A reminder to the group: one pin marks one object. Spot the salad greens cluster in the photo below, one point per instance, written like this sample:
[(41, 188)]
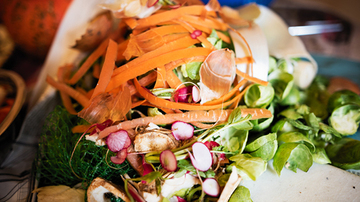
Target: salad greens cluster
[(309, 125)]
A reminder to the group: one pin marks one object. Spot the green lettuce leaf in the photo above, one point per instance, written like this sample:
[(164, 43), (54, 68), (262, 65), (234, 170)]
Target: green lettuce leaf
[(241, 194), (247, 166), (292, 156)]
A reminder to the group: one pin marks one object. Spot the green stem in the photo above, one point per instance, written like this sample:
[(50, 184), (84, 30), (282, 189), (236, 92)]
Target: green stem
[(159, 91), (156, 159)]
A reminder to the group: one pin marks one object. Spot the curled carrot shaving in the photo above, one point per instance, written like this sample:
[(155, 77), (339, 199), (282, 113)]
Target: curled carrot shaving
[(207, 22), (156, 46), (65, 98), (176, 105), (79, 97), (191, 29), (161, 78), (251, 78), (107, 69), (175, 45), (88, 62), (242, 60), (152, 63), (171, 15)]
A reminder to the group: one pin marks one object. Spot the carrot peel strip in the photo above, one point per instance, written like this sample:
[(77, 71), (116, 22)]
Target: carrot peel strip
[(107, 68), (202, 116), (88, 62), (251, 78), (79, 97)]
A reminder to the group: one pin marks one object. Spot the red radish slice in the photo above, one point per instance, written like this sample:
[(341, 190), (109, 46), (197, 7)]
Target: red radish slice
[(182, 94), (211, 144), (151, 3), (147, 167), (120, 157), (168, 160), (135, 194), (182, 131), (101, 126), (211, 187), (221, 156), (179, 199), (201, 158), (195, 94), (118, 140)]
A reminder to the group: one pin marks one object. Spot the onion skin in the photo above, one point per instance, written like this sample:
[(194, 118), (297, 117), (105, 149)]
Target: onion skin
[(217, 73)]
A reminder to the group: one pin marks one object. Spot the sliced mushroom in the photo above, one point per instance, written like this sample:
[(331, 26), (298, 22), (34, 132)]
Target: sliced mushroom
[(154, 141), (99, 187)]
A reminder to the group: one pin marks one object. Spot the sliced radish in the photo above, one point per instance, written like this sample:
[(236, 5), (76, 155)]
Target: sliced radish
[(147, 167), (182, 131), (211, 187), (120, 157), (211, 144), (168, 160), (118, 140), (195, 94), (182, 94), (201, 158), (135, 194), (151, 3), (101, 126), (179, 199), (221, 156)]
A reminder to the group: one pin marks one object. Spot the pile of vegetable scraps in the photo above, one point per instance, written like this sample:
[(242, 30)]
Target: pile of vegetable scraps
[(158, 111)]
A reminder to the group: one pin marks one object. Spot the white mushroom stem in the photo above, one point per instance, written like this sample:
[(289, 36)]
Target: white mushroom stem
[(231, 185)]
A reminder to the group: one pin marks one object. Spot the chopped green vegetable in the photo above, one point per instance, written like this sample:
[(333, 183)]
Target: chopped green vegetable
[(241, 194), (258, 96), (345, 153), (292, 156), (247, 166)]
